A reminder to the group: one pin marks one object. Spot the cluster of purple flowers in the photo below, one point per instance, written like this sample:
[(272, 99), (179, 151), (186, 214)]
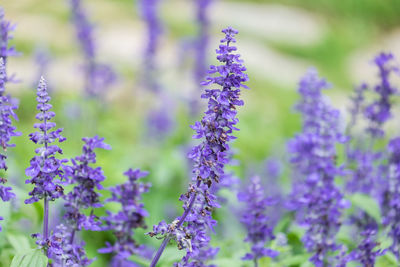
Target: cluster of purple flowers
[(216, 127), (45, 168), (7, 105), (98, 77), (149, 13), (255, 219), (6, 29), (7, 130), (379, 111), (130, 217), (86, 179), (313, 155), (392, 211)]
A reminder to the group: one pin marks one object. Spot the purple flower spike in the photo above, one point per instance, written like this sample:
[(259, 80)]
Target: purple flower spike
[(313, 157), (255, 220), (7, 107), (98, 77), (380, 110), (6, 28), (191, 230), (392, 209), (83, 196), (61, 251), (130, 217), (45, 167), (86, 179), (149, 13)]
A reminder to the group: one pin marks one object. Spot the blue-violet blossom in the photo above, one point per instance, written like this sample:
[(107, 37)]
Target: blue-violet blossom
[(313, 157), (130, 217), (98, 77), (255, 219), (190, 230), (45, 168)]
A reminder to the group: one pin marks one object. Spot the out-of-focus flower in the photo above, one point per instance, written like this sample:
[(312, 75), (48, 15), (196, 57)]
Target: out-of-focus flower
[(379, 111), (6, 29), (7, 130), (98, 77), (255, 219), (313, 155), (124, 222)]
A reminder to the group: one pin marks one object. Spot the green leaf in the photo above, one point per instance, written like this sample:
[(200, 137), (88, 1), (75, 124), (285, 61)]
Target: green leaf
[(367, 204), (32, 258), (19, 242)]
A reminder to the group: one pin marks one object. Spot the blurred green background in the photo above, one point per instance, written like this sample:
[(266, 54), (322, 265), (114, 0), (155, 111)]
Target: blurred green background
[(278, 41)]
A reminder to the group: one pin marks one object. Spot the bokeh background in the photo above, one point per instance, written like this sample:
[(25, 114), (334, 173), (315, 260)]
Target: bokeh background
[(278, 41)]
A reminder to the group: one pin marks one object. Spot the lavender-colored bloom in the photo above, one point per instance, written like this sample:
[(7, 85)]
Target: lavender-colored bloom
[(255, 220), (392, 212), (7, 107), (97, 76), (86, 179), (149, 13), (6, 29), (379, 112), (200, 49), (216, 127), (366, 251), (42, 59), (130, 217), (313, 157), (61, 251), (45, 168)]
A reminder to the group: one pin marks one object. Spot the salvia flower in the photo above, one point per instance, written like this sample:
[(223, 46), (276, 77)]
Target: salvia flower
[(367, 250), (379, 111), (149, 13), (86, 179), (216, 131), (98, 76), (124, 222), (61, 251), (313, 157), (45, 167), (7, 130), (6, 29), (392, 211), (255, 219), (45, 170), (200, 47)]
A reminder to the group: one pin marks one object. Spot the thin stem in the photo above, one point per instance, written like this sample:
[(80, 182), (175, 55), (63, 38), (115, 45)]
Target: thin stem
[(46, 220), (71, 240), (179, 224), (255, 262)]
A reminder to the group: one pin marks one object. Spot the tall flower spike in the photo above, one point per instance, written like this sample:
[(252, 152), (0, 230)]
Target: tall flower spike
[(254, 218), (392, 210), (380, 110), (130, 217), (98, 77), (6, 28), (45, 168), (216, 130), (82, 197), (313, 157), (200, 50), (7, 107), (149, 13)]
